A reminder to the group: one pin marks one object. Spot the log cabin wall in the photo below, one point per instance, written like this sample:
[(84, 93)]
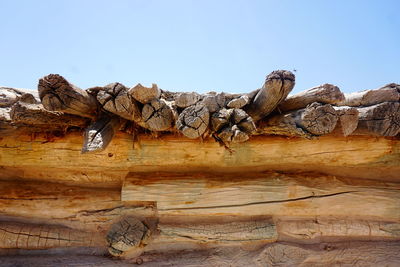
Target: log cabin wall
[(115, 175)]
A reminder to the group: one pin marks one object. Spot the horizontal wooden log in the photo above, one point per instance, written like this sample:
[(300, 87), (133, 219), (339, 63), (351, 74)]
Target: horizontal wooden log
[(325, 94), (315, 119), (214, 232), (277, 86), (81, 208), (15, 235), (387, 93), (34, 157), (284, 124), (379, 120), (57, 94), (283, 254), (347, 122), (264, 194), (37, 116), (363, 254), (336, 229)]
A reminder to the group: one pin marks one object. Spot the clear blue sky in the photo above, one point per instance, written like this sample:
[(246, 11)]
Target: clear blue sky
[(200, 45)]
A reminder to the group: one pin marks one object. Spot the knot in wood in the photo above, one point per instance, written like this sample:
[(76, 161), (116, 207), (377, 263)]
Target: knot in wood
[(193, 121), (127, 234)]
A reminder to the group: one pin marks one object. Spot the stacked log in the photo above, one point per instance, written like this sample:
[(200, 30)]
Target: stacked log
[(261, 178)]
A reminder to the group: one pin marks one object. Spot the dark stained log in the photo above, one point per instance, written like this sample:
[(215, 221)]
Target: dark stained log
[(145, 94), (348, 120), (315, 119), (36, 115), (277, 86), (99, 134), (17, 235), (115, 98), (128, 235), (326, 94), (184, 100), (193, 121), (158, 115), (57, 94), (387, 93), (379, 120), (232, 125)]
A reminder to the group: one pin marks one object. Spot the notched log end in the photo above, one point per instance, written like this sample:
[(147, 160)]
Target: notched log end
[(57, 94), (193, 121), (127, 235)]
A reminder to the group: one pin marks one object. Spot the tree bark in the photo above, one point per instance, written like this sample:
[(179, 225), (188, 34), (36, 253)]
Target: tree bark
[(57, 94), (325, 94), (277, 86)]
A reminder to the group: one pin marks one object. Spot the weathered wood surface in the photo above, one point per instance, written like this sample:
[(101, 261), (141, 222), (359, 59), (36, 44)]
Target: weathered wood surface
[(333, 229), (280, 254), (347, 120), (38, 117), (217, 232), (387, 93), (116, 99), (269, 194), (57, 94), (277, 86), (325, 94), (145, 94), (193, 121), (158, 115), (87, 209), (316, 119), (14, 235), (379, 120), (100, 133), (59, 159)]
